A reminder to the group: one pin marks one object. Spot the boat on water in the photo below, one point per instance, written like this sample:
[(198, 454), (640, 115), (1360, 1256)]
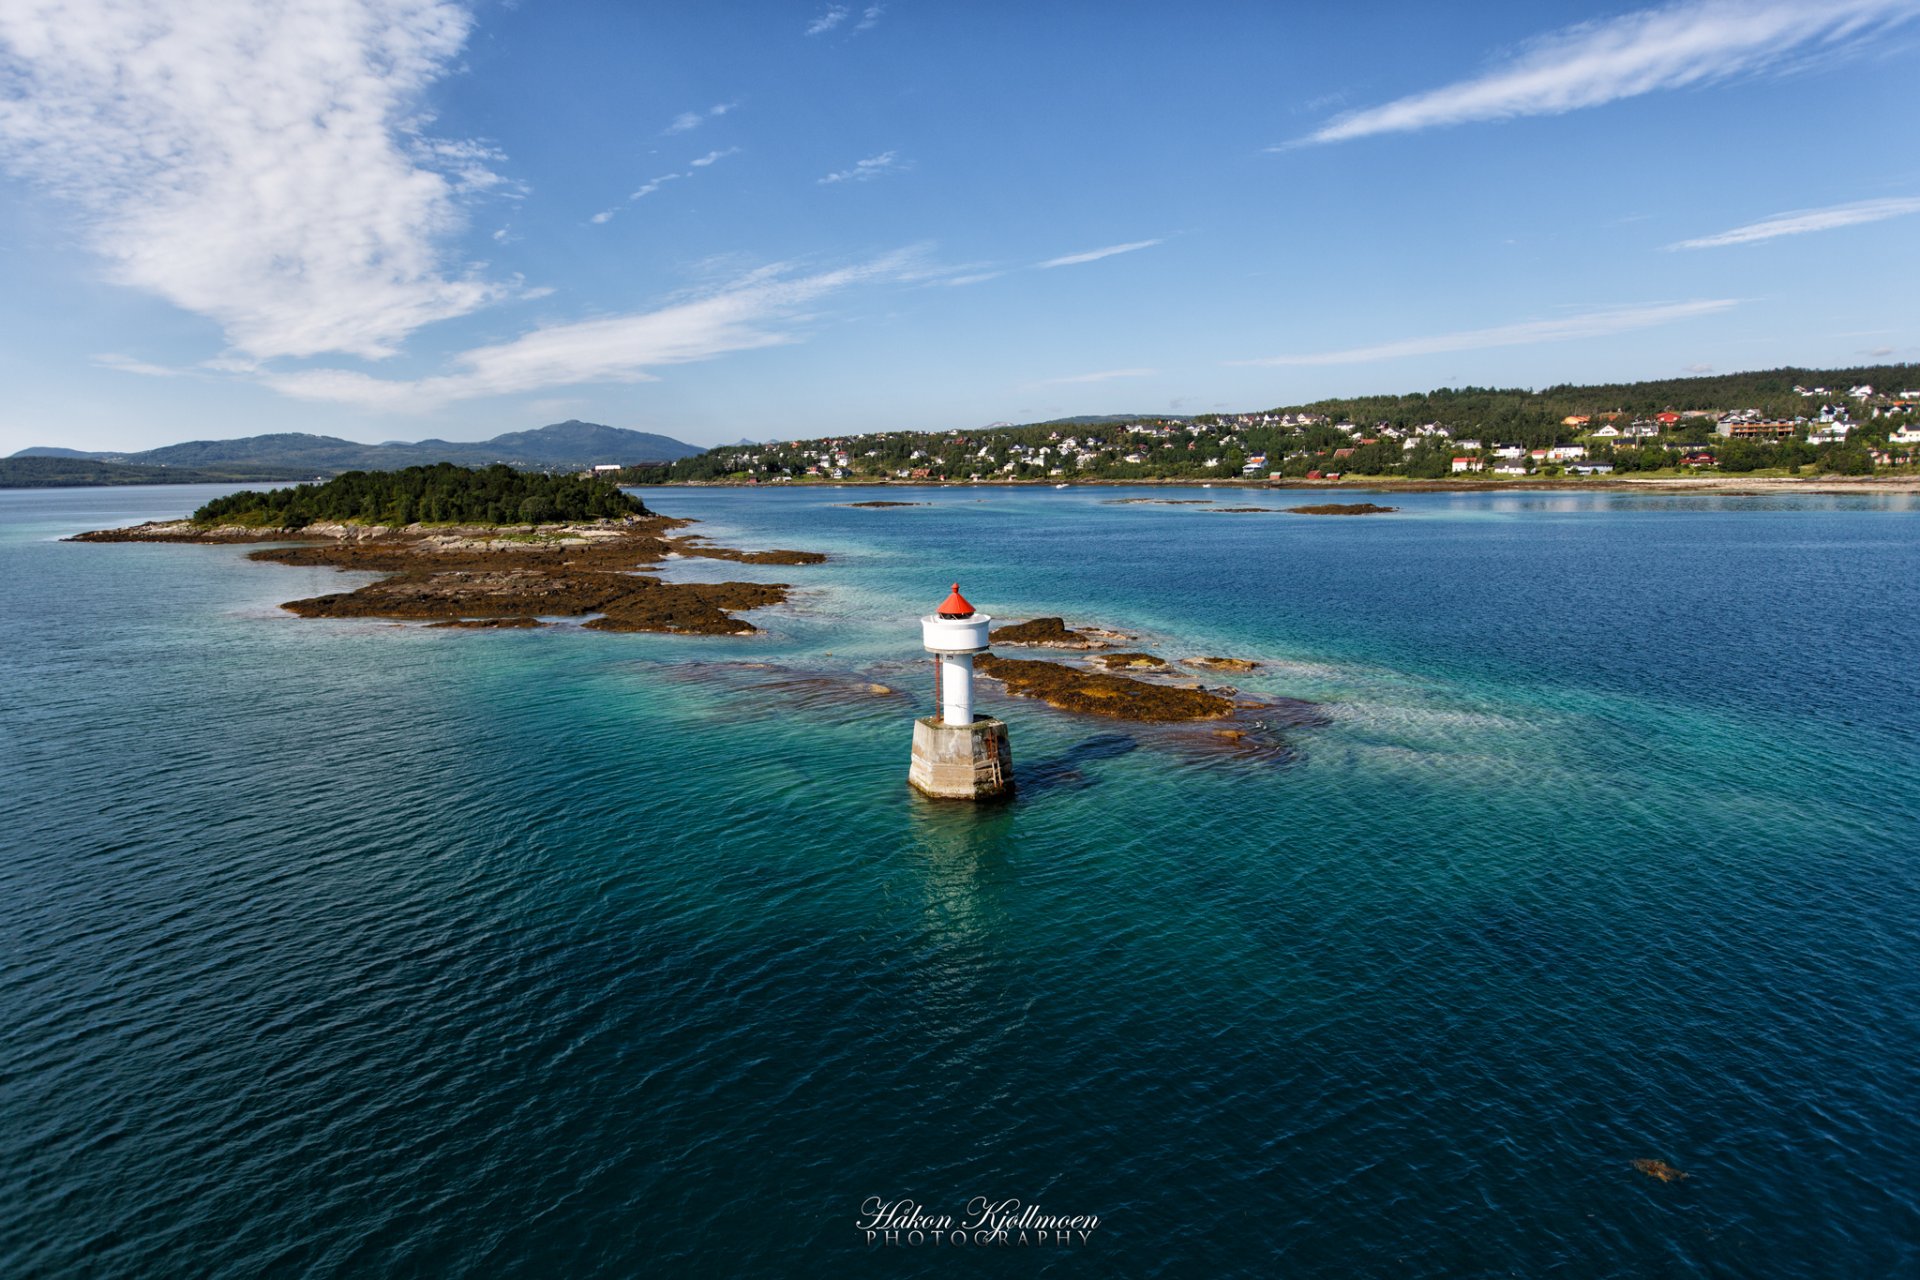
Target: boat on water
[(1060, 486)]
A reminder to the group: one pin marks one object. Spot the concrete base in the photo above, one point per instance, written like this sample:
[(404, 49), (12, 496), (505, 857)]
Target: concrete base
[(961, 761)]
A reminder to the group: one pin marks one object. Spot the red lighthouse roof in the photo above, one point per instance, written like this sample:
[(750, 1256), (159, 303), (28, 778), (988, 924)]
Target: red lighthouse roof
[(955, 605)]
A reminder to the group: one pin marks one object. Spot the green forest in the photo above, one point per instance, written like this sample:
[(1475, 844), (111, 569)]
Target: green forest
[(440, 494)]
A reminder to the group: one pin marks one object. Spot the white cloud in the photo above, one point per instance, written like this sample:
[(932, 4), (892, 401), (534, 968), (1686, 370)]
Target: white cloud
[(1107, 376), (694, 119), (604, 216), (712, 156), (975, 277), (827, 21), (760, 309), (1094, 255), (1795, 224), (257, 163), (1587, 324), (865, 170), (870, 17), (1635, 53)]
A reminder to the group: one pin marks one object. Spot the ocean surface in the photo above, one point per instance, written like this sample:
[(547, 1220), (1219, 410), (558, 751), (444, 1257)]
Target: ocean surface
[(353, 948)]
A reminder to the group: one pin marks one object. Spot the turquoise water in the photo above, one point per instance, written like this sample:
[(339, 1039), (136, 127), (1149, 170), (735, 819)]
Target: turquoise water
[(355, 948)]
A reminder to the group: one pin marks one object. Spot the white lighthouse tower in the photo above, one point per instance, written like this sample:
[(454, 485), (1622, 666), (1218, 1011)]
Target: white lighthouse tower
[(957, 755)]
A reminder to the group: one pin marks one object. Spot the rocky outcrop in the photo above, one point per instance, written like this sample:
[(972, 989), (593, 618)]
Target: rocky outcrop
[(1221, 664), (508, 577), (1101, 694)]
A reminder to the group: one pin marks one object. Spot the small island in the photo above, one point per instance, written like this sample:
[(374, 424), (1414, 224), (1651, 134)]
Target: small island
[(1341, 509), (482, 548)]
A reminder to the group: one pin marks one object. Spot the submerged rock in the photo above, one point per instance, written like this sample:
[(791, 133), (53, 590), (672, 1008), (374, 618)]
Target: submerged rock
[(1659, 1169), (1341, 509)]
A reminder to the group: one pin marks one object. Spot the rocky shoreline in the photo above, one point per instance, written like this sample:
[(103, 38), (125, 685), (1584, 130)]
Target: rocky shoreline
[(506, 576)]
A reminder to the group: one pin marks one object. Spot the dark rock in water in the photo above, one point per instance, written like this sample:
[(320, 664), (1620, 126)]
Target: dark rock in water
[(1137, 661), (1659, 1169), (1341, 509), (882, 503), (1038, 631), (1053, 633), (1244, 510), (488, 623), (695, 545), (1101, 694)]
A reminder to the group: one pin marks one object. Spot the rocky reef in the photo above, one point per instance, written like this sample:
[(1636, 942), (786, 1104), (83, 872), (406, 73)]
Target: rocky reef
[(1102, 693), (506, 576), (1341, 509)]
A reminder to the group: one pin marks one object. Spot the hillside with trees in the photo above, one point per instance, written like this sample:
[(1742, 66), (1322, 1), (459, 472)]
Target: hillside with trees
[(1831, 420), (441, 494)]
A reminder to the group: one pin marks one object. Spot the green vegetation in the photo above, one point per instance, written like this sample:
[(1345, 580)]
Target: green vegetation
[(1644, 426), (441, 494), (66, 473)]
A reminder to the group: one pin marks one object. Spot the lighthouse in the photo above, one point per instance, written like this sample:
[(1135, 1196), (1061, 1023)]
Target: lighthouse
[(957, 755)]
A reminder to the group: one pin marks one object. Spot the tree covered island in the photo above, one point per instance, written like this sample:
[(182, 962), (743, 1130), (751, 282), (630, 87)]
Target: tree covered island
[(440, 494), (489, 547)]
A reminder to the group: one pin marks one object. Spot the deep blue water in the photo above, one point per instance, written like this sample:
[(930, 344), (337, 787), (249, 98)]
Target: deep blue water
[(354, 948)]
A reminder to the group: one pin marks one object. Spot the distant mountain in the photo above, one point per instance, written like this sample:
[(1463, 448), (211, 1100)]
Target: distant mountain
[(558, 447)]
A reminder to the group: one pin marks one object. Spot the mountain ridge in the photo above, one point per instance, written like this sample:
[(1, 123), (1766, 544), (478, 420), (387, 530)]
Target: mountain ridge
[(556, 446)]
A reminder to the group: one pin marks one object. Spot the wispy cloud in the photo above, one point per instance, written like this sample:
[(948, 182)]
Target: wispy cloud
[(127, 364), (869, 17), (602, 217), (761, 309), (1805, 220), (827, 21), (688, 120), (713, 156), (259, 164), (1107, 376), (971, 277), (1673, 47), (652, 185), (1587, 324), (866, 170), (1094, 255)]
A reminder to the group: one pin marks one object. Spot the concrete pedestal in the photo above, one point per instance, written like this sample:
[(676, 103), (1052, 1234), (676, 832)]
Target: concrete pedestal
[(961, 761)]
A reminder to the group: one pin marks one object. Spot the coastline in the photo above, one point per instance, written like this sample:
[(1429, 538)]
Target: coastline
[(1725, 485)]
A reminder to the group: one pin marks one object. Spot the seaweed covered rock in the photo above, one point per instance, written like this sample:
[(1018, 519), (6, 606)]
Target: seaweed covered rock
[(1100, 693)]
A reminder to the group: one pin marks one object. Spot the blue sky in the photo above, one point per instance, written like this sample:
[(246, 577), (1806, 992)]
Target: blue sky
[(390, 219)]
